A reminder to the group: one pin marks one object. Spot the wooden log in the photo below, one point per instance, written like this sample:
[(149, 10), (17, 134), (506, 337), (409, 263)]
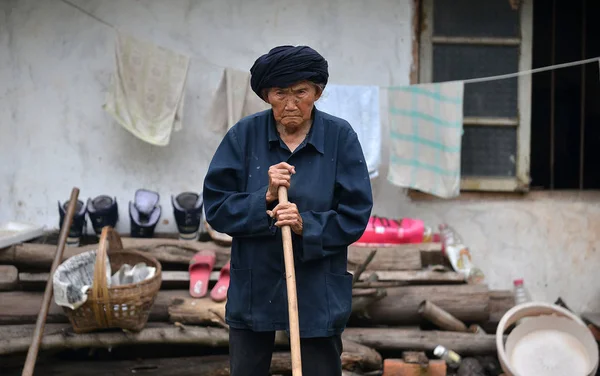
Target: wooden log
[(357, 357), (414, 277), (16, 339), (393, 339), (203, 311), (9, 277), (152, 334), (170, 279), (20, 307), (500, 302), (401, 257), (440, 317), (363, 266), (364, 292), (180, 279), (415, 357), (164, 250), (361, 303), (468, 303), (211, 365)]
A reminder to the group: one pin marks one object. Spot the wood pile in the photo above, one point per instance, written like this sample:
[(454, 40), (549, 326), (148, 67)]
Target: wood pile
[(405, 299)]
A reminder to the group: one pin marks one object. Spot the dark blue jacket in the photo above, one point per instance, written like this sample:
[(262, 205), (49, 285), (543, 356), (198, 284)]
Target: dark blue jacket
[(332, 190)]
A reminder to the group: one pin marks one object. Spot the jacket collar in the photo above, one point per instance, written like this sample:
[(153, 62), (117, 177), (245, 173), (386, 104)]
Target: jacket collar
[(316, 134)]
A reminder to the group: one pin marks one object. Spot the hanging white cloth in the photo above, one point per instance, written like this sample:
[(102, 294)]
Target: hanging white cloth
[(359, 106), (147, 92)]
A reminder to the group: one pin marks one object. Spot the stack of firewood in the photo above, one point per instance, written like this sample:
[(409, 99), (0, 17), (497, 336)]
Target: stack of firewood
[(405, 299)]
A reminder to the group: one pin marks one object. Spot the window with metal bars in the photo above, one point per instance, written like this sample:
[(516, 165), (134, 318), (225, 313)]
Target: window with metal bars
[(565, 118), (466, 39)]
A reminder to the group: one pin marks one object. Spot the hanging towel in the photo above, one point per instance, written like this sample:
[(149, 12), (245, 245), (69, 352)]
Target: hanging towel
[(359, 105), (147, 92), (233, 100), (425, 137)]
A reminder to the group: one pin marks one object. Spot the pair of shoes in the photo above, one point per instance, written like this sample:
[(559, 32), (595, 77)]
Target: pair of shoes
[(200, 268), (102, 211), (145, 212)]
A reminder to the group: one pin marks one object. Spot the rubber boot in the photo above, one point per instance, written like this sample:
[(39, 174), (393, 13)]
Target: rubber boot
[(187, 210), (103, 211), (144, 213), (78, 225)]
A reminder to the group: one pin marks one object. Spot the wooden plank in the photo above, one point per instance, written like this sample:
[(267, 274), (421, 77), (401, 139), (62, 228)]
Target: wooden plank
[(164, 250), (21, 307), (415, 277), (9, 277), (400, 257), (209, 365), (178, 279), (161, 334), (170, 279), (15, 339)]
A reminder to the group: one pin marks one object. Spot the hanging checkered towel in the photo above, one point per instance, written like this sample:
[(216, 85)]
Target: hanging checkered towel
[(425, 137)]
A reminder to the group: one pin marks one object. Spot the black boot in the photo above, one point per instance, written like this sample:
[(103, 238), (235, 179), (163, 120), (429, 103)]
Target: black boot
[(103, 211), (144, 213), (78, 225), (187, 210)]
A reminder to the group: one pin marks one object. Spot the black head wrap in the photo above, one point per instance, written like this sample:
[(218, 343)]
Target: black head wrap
[(286, 65)]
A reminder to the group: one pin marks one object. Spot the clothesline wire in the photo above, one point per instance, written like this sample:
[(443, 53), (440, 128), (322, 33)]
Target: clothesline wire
[(468, 81), (531, 71), (93, 16), (67, 2)]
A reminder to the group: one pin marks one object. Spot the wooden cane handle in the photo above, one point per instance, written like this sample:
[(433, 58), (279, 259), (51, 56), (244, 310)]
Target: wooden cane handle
[(290, 278)]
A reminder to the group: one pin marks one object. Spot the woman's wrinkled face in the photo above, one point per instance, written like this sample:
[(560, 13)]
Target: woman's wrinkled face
[(292, 106)]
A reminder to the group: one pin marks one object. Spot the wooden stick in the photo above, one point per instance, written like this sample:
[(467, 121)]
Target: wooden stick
[(361, 268), (441, 317), (290, 277), (41, 319)]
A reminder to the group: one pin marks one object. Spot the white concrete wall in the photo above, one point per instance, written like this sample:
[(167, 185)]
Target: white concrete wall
[(55, 65)]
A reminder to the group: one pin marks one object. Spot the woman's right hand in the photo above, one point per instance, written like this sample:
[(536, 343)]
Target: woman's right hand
[(279, 175)]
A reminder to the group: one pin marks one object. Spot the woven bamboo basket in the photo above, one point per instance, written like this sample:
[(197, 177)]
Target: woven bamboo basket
[(124, 306)]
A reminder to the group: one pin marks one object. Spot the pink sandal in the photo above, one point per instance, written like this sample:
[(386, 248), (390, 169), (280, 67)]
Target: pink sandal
[(201, 265), (219, 292)]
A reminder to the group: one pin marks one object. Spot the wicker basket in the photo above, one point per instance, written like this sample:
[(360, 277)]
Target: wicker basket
[(125, 306)]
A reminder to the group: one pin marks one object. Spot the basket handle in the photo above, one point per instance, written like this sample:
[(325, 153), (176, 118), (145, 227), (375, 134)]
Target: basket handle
[(526, 310), (114, 240), (100, 284)]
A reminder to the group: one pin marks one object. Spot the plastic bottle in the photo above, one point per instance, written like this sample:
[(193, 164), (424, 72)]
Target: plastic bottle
[(520, 291), (451, 358), (458, 254)]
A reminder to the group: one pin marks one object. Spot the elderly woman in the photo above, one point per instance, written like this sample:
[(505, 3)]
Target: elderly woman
[(319, 159)]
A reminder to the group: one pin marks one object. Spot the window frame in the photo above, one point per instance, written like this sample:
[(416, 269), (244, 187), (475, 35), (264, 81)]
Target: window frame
[(522, 179)]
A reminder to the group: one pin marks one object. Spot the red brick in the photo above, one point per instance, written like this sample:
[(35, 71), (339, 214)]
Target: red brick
[(397, 367)]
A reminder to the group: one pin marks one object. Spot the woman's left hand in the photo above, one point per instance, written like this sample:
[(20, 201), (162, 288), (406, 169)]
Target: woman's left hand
[(287, 215)]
